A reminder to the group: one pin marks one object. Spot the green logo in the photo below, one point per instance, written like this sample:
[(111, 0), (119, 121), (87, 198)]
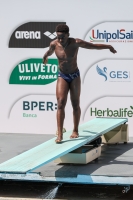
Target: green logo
[(122, 112), (34, 72)]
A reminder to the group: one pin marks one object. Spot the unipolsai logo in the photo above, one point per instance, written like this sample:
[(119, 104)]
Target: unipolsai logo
[(111, 32), (34, 35), (113, 75), (106, 36)]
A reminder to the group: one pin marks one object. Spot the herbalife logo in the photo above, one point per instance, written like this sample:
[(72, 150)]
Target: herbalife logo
[(113, 75), (50, 35), (104, 36), (33, 35), (122, 112)]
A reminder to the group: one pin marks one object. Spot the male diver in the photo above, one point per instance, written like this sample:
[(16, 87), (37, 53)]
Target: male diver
[(66, 50)]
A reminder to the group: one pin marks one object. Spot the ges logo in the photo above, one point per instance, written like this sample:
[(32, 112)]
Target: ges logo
[(114, 75)]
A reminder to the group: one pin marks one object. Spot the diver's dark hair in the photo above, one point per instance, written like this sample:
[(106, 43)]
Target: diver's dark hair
[(62, 28)]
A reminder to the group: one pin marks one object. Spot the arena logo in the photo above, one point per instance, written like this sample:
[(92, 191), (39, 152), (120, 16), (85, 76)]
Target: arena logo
[(113, 75), (105, 36), (50, 35), (34, 72), (33, 35), (121, 112), (28, 35)]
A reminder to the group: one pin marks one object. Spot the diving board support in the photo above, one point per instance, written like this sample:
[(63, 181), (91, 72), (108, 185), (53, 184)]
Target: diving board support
[(82, 155), (117, 135)]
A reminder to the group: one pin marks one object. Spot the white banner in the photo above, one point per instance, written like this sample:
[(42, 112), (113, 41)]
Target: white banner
[(119, 107), (28, 88)]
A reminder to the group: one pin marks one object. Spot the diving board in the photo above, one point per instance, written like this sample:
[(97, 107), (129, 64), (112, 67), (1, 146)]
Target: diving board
[(49, 151)]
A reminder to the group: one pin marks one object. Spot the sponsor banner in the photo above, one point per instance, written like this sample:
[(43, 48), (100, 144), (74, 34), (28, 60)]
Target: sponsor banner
[(111, 32), (34, 72), (33, 35), (113, 75), (111, 71), (108, 77), (34, 106), (37, 114), (34, 114), (119, 107)]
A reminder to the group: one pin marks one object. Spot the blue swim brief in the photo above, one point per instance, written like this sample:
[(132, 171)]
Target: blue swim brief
[(69, 77)]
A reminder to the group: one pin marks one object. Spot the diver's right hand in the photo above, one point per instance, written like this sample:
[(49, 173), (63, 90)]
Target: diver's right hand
[(45, 60)]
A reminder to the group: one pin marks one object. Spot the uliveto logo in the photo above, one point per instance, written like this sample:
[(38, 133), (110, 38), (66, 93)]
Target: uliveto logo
[(34, 72), (121, 112), (113, 75), (34, 35)]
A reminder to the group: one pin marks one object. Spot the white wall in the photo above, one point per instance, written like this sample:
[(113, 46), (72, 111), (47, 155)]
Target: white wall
[(82, 17)]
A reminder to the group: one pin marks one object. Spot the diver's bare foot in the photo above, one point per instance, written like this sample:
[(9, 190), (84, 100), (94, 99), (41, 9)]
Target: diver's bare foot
[(74, 134), (59, 139)]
